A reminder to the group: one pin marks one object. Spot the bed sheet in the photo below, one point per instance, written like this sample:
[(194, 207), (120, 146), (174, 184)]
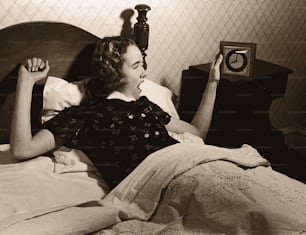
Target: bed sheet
[(187, 188), (47, 195)]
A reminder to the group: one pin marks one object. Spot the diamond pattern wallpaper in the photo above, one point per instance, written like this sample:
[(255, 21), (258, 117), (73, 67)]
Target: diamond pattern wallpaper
[(187, 32)]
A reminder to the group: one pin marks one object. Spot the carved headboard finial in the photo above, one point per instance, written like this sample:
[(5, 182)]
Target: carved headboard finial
[(141, 30)]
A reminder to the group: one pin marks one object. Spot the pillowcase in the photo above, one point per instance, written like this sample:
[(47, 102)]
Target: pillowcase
[(59, 94), (159, 95)]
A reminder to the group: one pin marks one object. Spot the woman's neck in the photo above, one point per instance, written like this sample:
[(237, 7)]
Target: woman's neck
[(129, 93)]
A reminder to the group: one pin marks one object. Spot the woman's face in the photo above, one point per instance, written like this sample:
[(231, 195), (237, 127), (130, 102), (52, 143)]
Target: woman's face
[(133, 71)]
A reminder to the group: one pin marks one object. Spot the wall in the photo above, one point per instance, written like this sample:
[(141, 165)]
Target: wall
[(186, 32)]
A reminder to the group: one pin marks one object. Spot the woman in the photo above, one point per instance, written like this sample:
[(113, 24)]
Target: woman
[(115, 127)]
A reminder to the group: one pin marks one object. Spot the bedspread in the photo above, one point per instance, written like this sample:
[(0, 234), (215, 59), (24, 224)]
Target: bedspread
[(184, 190)]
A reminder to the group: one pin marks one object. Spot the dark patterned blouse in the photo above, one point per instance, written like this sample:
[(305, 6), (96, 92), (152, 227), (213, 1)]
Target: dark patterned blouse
[(116, 135)]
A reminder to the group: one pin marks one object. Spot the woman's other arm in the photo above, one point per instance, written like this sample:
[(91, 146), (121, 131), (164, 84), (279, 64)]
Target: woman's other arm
[(203, 116), (23, 144), (202, 119)]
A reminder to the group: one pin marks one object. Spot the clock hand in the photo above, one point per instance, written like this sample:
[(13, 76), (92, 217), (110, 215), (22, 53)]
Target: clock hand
[(236, 59)]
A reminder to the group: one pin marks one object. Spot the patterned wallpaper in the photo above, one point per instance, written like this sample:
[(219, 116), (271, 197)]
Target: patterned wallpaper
[(187, 32)]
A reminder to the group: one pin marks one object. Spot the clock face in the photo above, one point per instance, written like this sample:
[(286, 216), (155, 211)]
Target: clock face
[(236, 60)]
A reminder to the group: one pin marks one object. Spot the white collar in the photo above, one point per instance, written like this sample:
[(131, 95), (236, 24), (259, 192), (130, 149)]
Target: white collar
[(120, 96)]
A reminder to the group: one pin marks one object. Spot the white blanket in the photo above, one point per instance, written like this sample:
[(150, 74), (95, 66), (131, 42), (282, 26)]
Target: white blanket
[(137, 196), (186, 189), (183, 186)]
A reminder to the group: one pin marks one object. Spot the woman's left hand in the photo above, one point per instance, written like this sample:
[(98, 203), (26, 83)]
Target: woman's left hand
[(214, 74)]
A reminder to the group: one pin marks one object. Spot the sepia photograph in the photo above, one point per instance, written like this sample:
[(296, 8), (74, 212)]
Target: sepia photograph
[(150, 117)]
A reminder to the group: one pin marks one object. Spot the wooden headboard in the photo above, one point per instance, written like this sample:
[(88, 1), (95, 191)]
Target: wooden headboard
[(68, 49)]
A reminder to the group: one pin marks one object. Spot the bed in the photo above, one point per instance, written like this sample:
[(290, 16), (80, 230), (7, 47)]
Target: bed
[(187, 188)]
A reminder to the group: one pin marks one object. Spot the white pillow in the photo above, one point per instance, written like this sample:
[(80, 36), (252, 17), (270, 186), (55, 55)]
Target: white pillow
[(59, 94), (159, 95)]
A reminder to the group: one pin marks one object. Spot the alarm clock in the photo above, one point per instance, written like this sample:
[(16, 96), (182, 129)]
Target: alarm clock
[(238, 59)]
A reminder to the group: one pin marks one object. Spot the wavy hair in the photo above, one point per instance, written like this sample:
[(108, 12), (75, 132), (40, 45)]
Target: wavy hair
[(107, 65)]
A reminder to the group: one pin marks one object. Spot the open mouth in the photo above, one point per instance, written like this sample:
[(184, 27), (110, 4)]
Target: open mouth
[(139, 85)]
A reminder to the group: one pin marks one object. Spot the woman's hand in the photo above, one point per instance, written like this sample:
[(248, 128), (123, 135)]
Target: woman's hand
[(214, 74), (34, 70)]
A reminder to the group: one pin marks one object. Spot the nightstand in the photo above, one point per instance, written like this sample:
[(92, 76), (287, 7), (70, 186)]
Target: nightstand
[(241, 113)]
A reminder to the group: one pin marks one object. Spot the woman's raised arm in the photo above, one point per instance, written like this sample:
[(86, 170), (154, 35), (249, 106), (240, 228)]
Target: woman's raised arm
[(23, 144), (202, 119)]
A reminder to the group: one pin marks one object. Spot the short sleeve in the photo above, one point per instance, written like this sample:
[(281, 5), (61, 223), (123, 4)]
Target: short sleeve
[(66, 125), (163, 116)]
